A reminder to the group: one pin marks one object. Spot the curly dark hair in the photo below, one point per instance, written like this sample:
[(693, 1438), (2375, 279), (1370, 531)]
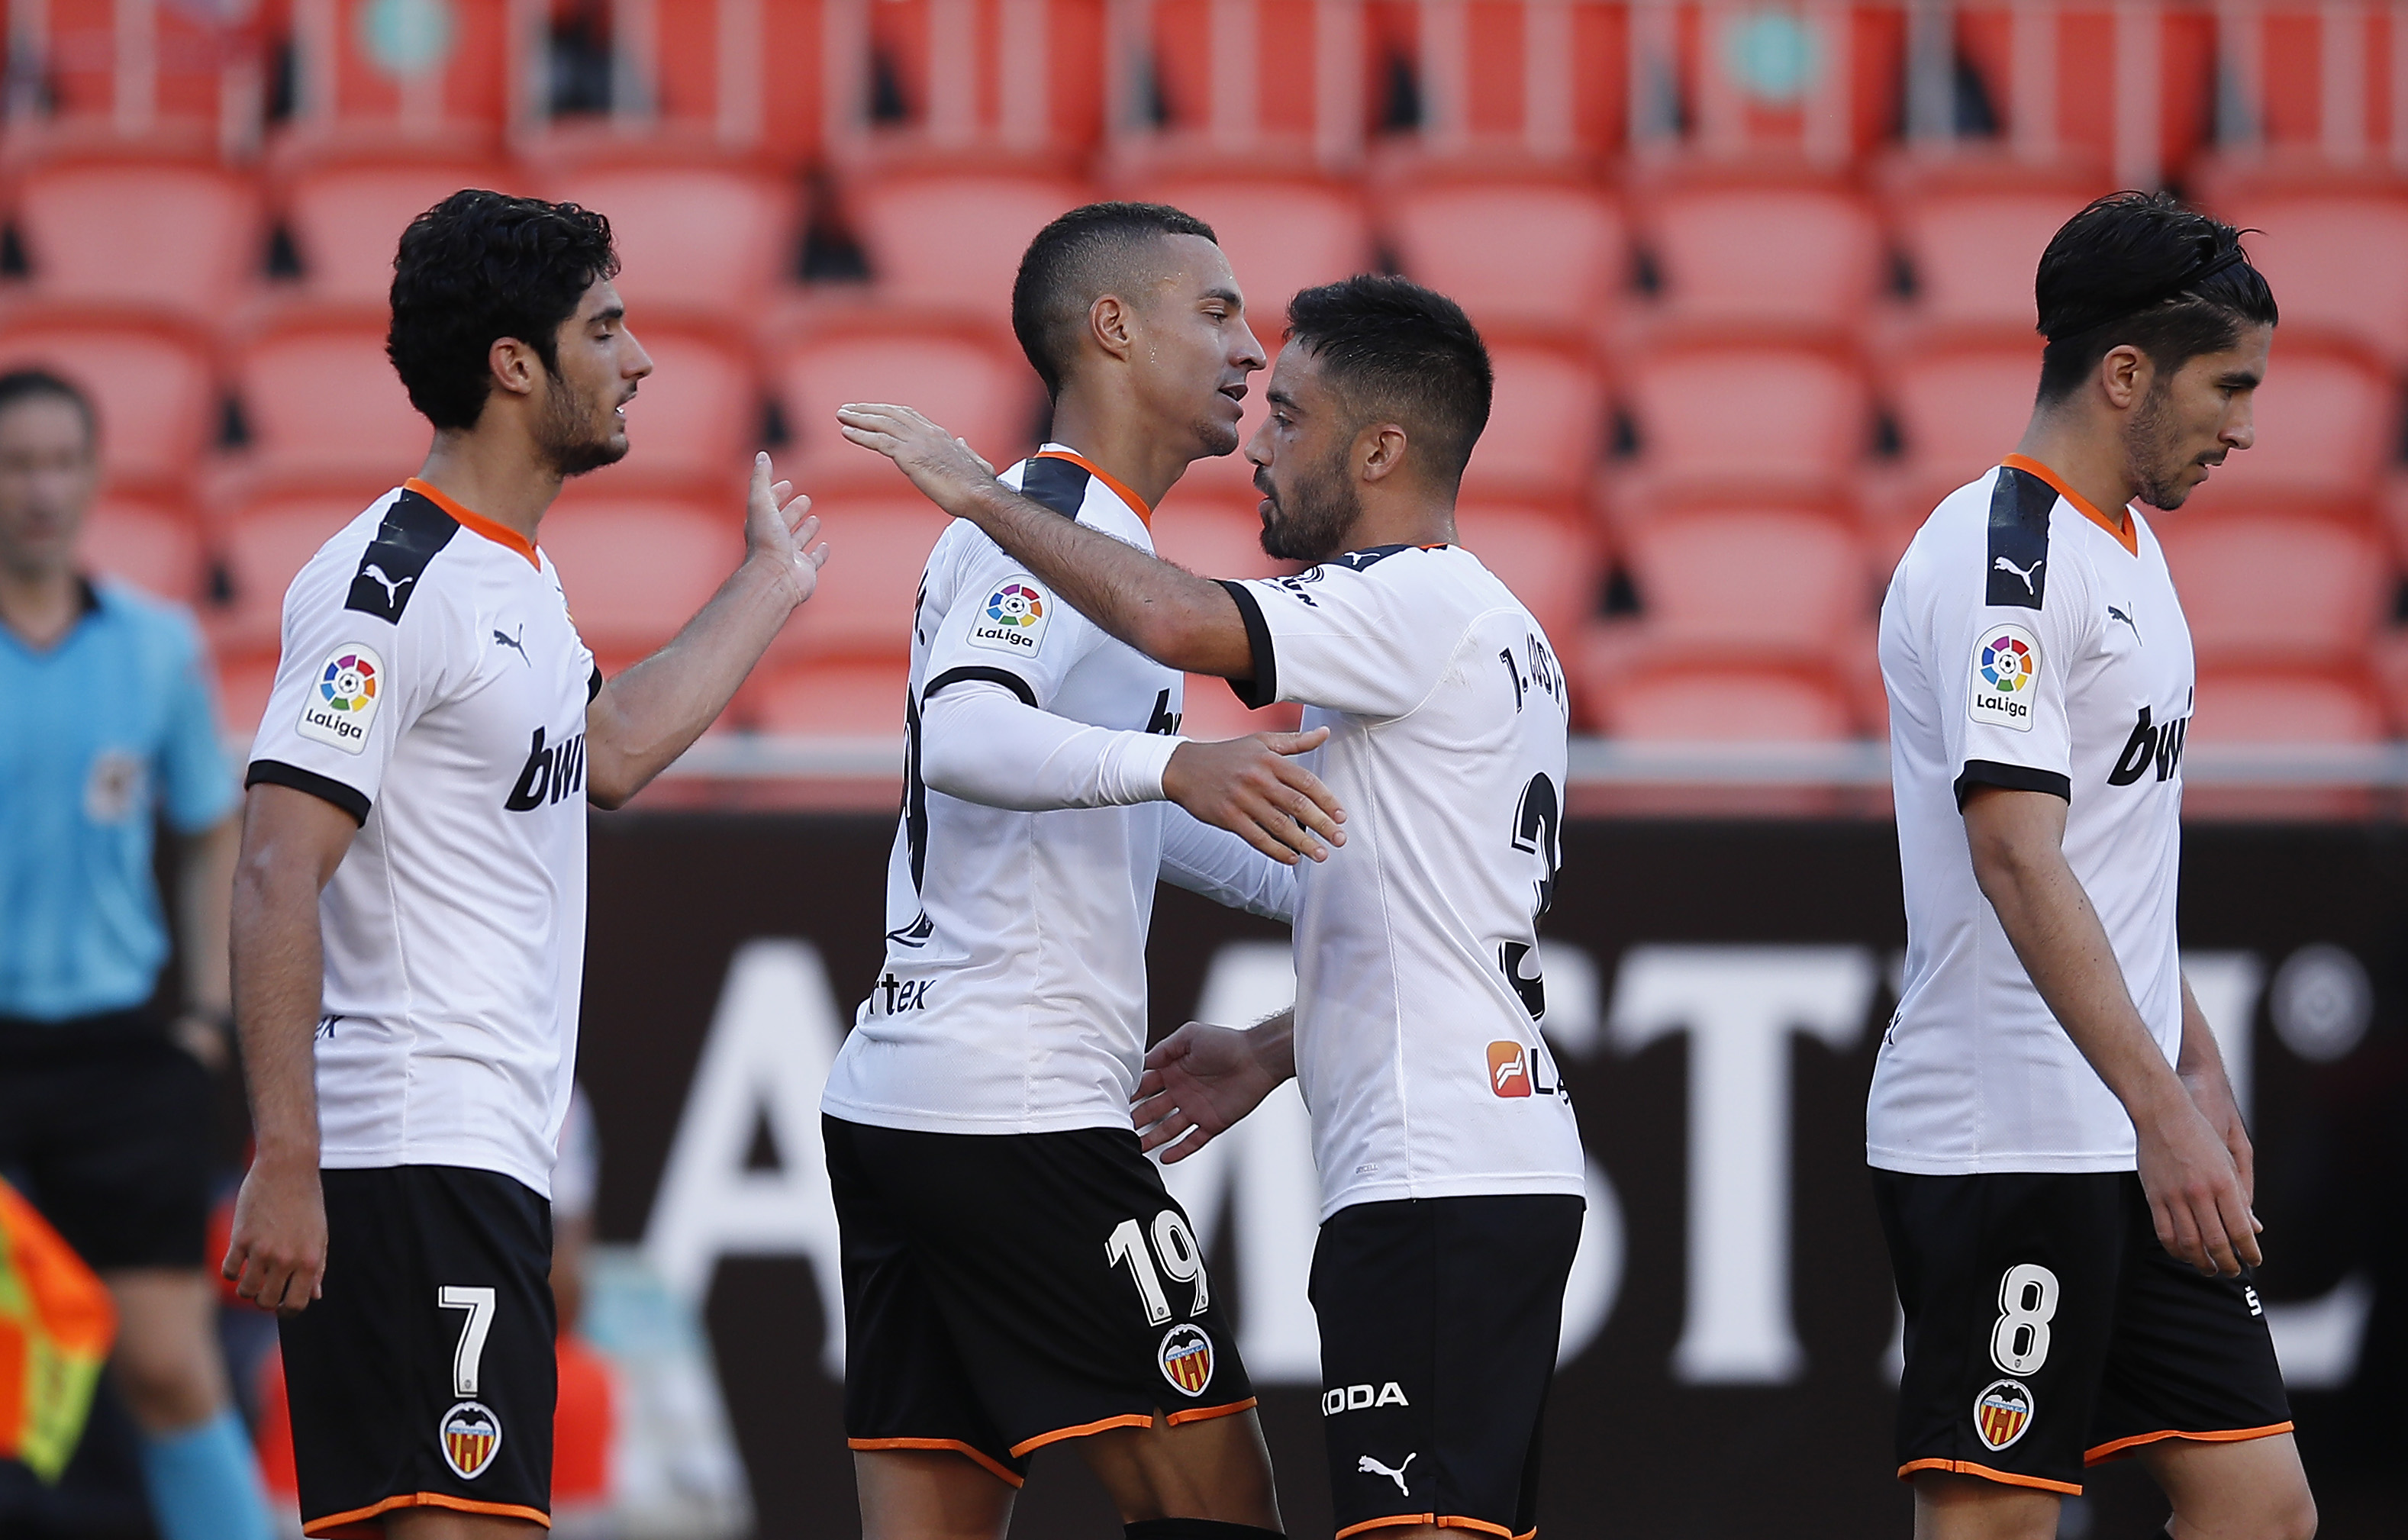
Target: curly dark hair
[(1399, 351), (478, 266), (2140, 269)]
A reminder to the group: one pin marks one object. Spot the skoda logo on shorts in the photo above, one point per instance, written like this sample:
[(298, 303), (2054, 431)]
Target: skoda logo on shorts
[(471, 1435), (2001, 1412), (1186, 1358)]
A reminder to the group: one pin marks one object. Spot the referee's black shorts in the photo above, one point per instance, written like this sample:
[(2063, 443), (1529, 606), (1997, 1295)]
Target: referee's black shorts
[(105, 1123)]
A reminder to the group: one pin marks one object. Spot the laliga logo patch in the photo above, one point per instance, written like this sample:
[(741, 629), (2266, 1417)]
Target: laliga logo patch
[(1015, 619), (2001, 1413), (2006, 676), (471, 1435), (1186, 1359), (342, 699)]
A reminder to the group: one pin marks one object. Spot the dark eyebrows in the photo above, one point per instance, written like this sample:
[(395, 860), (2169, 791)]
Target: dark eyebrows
[(609, 315), (2242, 380), (1280, 398)]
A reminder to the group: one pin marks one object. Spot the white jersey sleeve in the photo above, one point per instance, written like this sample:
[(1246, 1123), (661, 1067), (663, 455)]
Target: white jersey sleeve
[(983, 742), (1004, 626), (2010, 660), (1345, 635), (363, 658), (1224, 868)]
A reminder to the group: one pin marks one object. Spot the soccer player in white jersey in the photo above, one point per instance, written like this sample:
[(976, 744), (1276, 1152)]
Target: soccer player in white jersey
[(1450, 1163), (1016, 1276), (409, 908), (2059, 1163)]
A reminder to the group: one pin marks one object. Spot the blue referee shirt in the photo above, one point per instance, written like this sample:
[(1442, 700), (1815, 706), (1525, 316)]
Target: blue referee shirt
[(115, 723)]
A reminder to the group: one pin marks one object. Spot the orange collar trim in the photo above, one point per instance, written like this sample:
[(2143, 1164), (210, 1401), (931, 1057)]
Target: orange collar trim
[(500, 535), (1135, 503), (2127, 534)]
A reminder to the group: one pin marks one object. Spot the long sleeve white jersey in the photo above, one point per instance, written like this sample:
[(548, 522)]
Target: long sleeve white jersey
[(1020, 886)]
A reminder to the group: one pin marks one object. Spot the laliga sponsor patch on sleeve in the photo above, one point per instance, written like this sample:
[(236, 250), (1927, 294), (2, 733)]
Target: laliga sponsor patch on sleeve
[(2005, 677), (342, 697), (1015, 617)]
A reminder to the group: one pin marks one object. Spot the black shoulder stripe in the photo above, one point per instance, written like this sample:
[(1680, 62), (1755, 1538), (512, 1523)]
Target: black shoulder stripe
[(1059, 484), (980, 674), (2018, 557), (414, 529)]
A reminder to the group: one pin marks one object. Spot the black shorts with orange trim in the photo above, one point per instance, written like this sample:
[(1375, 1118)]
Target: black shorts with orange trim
[(424, 1376), (2047, 1331), (1004, 1291), (1438, 1323)]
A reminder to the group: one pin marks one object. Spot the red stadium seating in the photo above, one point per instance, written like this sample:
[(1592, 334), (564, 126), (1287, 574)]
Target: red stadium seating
[(2338, 263), (1570, 252), (693, 239), (830, 698), (2267, 590), (2327, 423), (245, 681), (1551, 559), (953, 242), (1959, 410), (345, 219), (1725, 704), (153, 384), (696, 418), (1280, 237), (2274, 707), (182, 238), (265, 545), (879, 543), (972, 385), (1212, 710), (1792, 255), (1547, 428), (156, 546), (1973, 252), (634, 570), (1217, 536), (322, 404), (1744, 421), (1770, 583)]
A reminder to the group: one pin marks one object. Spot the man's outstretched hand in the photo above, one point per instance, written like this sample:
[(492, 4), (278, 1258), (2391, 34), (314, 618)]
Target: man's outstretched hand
[(1200, 1080), (778, 528), (948, 472), (1254, 788)]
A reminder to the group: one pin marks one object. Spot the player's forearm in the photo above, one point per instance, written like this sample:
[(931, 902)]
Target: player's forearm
[(1273, 1045), (1167, 613), (278, 978), (205, 892), (980, 743), (648, 714)]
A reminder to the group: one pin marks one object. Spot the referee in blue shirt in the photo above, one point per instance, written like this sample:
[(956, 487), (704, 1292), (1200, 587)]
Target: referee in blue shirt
[(106, 725)]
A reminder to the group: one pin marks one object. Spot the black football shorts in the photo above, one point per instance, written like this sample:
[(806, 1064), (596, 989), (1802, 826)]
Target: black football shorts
[(425, 1376), (106, 1123), (1438, 1323), (2047, 1331), (1004, 1291)]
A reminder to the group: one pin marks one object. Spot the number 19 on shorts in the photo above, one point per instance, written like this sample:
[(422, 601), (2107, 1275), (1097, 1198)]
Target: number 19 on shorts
[(1174, 1244)]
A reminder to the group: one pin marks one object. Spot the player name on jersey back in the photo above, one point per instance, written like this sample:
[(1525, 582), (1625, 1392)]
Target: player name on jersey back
[(2031, 643)]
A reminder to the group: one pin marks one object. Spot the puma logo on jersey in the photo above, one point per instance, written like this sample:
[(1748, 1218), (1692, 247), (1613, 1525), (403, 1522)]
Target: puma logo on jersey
[(2115, 614), (2001, 564), (549, 774), (516, 644), (1369, 1466)]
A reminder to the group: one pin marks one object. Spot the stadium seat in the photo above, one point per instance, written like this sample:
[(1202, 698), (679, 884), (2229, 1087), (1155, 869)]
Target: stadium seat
[(696, 240), (2328, 423), (1745, 421), (1280, 237), (2275, 708), (2335, 261), (636, 569), (155, 546), (265, 545), (322, 403), (2269, 590), (860, 698), (1551, 558), (1210, 711), (880, 542), (1725, 704), (1214, 535), (1959, 410), (346, 220), (182, 238), (1773, 582), (154, 385), (1799, 256), (1549, 255), (1972, 253), (954, 241), (1547, 428), (965, 382), (696, 418), (246, 679)]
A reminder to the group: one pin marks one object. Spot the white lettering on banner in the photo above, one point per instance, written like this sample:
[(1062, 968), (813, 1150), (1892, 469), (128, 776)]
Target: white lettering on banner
[(764, 1063), (1740, 1004)]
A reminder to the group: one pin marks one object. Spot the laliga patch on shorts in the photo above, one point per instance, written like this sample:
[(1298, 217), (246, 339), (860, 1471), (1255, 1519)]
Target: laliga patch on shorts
[(1186, 1358), (1013, 619), (2001, 1413), (471, 1435), (342, 699), (2006, 677)]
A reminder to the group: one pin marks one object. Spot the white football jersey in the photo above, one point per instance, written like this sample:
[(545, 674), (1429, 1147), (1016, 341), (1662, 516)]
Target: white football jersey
[(1013, 998), (434, 687), (1418, 983), (2027, 642)]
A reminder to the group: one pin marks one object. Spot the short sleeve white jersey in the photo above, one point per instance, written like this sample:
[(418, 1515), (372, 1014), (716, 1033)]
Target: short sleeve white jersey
[(1419, 989), (1013, 999), (2027, 642), (434, 687)]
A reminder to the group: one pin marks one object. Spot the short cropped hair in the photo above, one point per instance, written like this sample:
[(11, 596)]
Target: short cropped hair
[(18, 385), (1074, 262), (1395, 351), (2140, 269), (477, 267)]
